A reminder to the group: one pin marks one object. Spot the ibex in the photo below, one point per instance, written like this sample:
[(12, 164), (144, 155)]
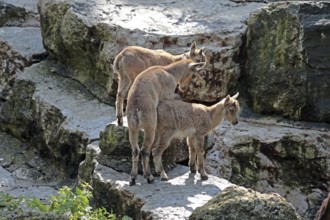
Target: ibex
[(133, 60), (152, 85), (177, 119)]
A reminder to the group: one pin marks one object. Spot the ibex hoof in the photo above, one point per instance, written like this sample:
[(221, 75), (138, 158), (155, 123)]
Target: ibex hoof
[(192, 170), (164, 179), (120, 121), (150, 179), (204, 177), (132, 182)]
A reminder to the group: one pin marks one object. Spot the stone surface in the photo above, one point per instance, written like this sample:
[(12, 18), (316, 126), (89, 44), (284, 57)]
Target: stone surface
[(39, 178), (19, 48), (239, 203), (287, 69), (275, 155), (174, 199), (86, 36), (56, 114), (19, 13)]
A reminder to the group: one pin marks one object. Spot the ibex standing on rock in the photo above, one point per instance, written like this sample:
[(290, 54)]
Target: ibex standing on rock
[(133, 60), (177, 119), (152, 85)]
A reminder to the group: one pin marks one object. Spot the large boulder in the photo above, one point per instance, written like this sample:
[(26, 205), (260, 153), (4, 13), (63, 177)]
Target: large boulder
[(57, 115), (86, 36), (237, 203), (271, 156), (287, 70)]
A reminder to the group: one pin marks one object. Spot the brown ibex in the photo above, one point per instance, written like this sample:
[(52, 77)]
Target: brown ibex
[(131, 61), (152, 85), (177, 119)]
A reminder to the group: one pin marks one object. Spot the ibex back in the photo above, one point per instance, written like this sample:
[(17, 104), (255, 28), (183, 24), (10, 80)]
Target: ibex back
[(152, 85)]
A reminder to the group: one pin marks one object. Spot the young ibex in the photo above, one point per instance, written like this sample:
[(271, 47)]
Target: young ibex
[(133, 60), (152, 85), (177, 119)]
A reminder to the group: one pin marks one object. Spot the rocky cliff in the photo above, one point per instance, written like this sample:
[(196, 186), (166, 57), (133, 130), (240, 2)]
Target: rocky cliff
[(272, 53)]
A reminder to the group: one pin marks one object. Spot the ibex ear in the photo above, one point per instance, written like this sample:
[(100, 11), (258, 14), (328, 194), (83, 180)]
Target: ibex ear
[(227, 98), (192, 48), (235, 96), (197, 66), (201, 52)]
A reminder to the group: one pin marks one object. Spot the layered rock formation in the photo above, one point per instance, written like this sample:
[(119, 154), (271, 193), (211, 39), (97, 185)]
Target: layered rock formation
[(266, 155), (60, 117), (87, 36), (287, 60), (56, 114)]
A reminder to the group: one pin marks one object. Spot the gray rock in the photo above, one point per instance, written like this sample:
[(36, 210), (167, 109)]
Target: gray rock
[(19, 48), (19, 13), (287, 68), (239, 203), (86, 36), (271, 156), (56, 114)]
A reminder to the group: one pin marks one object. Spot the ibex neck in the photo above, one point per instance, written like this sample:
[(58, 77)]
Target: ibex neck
[(178, 57), (217, 113), (177, 70)]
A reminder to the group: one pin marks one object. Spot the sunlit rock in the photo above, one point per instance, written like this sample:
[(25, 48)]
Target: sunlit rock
[(86, 36), (56, 114), (239, 203)]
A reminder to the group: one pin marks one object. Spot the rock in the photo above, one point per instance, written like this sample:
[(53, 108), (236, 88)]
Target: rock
[(56, 114), (19, 48), (19, 176), (287, 68), (239, 203), (174, 199), (19, 13), (116, 150), (86, 36), (271, 156)]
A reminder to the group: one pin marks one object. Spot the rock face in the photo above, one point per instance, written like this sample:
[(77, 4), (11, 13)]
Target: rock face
[(87, 36), (287, 70), (268, 156), (48, 112), (239, 203), (19, 48)]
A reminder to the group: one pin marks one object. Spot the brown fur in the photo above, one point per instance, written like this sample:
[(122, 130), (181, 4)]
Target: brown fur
[(177, 119), (152, 85), (324, 211), (130, 62)]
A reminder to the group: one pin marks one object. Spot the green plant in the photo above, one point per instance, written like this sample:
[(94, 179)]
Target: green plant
[(10, 205), (66, 205)]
